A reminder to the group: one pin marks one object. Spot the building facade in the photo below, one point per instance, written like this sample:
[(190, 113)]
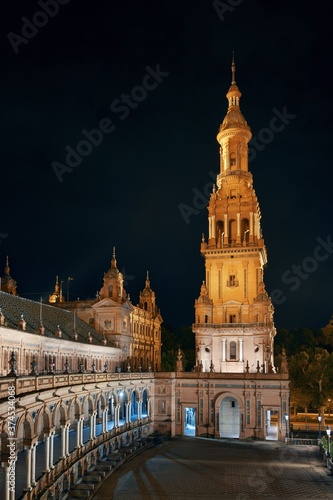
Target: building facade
[(79, 379), (134, 329)]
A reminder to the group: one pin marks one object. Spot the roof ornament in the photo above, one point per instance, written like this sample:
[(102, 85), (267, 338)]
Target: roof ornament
[(233, 70), (114, 261)]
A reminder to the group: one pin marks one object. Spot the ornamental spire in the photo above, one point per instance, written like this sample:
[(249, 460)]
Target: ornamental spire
[(233, 70), (114, 261)]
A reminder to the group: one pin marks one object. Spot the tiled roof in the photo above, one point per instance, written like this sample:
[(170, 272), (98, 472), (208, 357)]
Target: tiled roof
[(13, 307)]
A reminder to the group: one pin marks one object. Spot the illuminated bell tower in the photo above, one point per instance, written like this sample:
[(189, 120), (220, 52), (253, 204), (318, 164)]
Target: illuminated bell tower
[(233, 315)]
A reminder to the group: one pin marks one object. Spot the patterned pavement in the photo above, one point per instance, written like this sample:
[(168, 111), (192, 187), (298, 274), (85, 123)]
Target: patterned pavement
[(189, 468)]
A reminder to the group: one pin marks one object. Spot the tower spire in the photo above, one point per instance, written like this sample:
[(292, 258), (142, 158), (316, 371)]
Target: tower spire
[(7, 269), (114, 261), (233, 70)]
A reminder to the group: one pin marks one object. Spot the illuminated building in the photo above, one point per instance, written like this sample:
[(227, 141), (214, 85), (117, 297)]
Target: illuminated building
[(93, 365)]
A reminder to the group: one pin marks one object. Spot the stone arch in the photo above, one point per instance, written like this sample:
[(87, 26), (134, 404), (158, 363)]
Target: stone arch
[(43, 422), (60, 414), (25, 430), (102, 399), (122, 400), (87, 406), (245, 229), (135, 396), (232, 232), (74, 409), (229, 409), (145, 399)]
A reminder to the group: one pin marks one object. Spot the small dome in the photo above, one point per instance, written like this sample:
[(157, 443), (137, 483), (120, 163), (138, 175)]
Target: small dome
[(234, 118)]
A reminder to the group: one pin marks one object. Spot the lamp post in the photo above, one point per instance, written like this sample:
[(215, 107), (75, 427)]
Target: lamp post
[(319, 421), (328, 432), (287, 426), (245, 232)]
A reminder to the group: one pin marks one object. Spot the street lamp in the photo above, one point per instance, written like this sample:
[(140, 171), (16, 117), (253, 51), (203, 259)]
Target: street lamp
[(328, 432), (287, 426), (319, 420), (247, 231)]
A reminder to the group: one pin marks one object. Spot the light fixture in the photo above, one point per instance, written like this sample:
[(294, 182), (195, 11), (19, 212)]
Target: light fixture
[(328, 432)]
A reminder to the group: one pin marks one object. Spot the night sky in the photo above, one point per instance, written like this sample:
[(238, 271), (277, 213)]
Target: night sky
[(152, 77)]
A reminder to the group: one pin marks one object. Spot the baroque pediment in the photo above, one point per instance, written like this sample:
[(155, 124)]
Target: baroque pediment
[(108, 303), (232, 303)]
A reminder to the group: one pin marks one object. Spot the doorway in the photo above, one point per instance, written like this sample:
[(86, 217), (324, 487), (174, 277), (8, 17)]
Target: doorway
[(272, 425), (229, 418), (189, 421)]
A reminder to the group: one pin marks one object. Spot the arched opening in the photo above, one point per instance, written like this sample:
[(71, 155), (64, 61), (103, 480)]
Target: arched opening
[(245, 229), (144, 404), (232, 231), (134, 412), (189, 421), (233, 163), (229, 418), (232, 348), (272, 425)]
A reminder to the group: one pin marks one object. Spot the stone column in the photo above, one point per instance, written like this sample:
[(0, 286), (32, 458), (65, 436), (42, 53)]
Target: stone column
[(67, 440), (33, 464), (28, 469), (251, 224), (116, 415), (63, 441), (224, 342), (213, 227), (94, 420), (81, 431), (240, 350), (78, 433), (91, 423), (104, 420), (47, 453), (226, 235), (51, 450), (238, 224)]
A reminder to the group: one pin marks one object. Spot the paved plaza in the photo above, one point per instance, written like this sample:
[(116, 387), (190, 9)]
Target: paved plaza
[(188, 468)]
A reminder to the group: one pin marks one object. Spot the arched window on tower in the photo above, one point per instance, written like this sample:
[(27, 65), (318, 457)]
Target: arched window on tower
[(110, 290), (220, 231), (232, 350), (232, 231), (245, 225), (206, 318), (145, 306), (233, 165)]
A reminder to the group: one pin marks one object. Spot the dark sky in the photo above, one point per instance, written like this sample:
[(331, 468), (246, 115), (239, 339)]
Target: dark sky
[(158, 149)]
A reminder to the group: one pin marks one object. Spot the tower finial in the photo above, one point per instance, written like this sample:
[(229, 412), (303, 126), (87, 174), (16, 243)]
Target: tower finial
[(113, 261), (233, 70)]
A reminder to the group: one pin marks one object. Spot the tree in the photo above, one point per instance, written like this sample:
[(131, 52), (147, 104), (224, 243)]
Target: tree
[(311, 375), (174, 338)]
